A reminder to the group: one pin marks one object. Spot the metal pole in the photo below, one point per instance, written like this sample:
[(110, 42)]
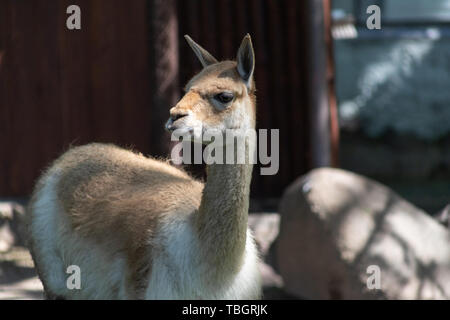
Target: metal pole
[(319, 111)]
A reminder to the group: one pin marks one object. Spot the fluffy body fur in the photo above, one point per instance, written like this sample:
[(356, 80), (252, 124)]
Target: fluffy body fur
[(139, 228)]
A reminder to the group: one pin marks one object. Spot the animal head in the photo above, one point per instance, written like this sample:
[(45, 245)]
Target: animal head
[(219, 98)]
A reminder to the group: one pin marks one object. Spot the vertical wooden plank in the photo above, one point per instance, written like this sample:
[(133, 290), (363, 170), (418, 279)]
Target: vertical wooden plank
[(104, 55), (261, 185), (192, 19), (188, 18), (239, 21), (296, 124), (303, 58), (334, 125), (16, 60), (208, 23), (74, 77), (319, 115), (46, 58), (135, 75), (225, 29), (33, 88), (165, 64), (5, 127), (278, 85)]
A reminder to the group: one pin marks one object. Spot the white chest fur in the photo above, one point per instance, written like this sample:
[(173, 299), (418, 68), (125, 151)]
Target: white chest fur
[(178, 272)]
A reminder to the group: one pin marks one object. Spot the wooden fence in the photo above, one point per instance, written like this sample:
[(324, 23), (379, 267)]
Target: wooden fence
[(116, 78)]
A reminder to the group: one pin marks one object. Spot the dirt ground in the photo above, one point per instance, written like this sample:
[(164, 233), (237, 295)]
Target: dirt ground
[(18, 279)]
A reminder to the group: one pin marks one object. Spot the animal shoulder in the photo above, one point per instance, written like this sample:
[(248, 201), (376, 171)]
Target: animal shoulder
[(103, 187)]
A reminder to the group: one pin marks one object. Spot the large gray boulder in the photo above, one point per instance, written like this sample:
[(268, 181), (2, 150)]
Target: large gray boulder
[(338, 229), (443, 216)]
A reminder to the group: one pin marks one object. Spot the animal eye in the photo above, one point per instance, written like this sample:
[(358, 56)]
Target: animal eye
[(224, 97)]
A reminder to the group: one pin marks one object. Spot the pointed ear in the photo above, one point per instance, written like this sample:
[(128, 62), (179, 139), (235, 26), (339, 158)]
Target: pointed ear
[(246, 60), (204, 56)]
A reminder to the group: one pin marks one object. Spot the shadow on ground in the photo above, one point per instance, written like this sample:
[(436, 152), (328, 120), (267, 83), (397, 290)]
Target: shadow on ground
[(18, 279)]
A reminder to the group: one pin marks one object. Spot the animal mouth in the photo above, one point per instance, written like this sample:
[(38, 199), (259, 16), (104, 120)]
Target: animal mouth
[(170, 124)]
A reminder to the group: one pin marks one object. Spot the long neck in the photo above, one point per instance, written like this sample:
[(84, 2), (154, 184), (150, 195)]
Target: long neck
[(222, 219)]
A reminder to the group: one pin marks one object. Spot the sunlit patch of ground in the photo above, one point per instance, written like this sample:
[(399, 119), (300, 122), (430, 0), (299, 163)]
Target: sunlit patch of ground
[(18, 279)]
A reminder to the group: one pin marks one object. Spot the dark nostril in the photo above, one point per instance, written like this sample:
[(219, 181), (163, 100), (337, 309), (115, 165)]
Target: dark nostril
[(177, 116)]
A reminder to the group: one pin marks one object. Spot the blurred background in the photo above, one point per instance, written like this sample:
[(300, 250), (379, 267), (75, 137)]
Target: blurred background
[(393, 97), (374, 102)]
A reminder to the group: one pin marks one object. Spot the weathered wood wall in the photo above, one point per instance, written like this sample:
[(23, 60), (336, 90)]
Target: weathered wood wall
[(60, 87), (107, 81)]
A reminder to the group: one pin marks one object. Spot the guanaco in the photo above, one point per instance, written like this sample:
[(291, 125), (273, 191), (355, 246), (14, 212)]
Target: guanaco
[(140, 228)]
